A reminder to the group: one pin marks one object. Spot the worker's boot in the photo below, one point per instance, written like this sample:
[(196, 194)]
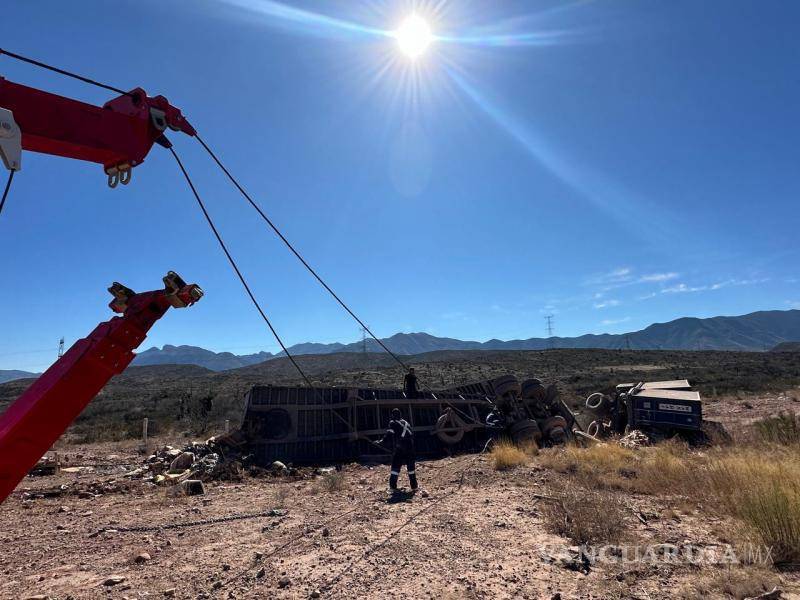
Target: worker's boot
[(412, 478), (393, 481)]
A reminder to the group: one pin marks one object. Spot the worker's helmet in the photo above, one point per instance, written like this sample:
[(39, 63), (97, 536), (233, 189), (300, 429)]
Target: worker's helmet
[(396, 414)]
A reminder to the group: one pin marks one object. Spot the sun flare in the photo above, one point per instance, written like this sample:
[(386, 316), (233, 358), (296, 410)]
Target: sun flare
[(414, 36)]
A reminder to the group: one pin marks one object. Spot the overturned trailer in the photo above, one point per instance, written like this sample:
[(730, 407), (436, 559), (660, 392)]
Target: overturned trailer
[(304, 425)]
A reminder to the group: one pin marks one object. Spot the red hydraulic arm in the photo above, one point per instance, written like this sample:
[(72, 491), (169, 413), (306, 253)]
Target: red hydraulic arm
[(117, 135), (31, 425)]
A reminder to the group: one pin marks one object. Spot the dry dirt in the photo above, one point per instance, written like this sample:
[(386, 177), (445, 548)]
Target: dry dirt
[(473, 533)]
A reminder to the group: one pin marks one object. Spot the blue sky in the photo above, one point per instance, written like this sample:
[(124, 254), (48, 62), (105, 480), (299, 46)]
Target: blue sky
[(613, 163)]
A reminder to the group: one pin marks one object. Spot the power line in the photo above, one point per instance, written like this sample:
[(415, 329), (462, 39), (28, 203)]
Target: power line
[(549, 325)]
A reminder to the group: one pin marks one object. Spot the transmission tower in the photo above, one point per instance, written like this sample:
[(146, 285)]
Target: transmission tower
[(61, 347), (549, 320), (363, 340)]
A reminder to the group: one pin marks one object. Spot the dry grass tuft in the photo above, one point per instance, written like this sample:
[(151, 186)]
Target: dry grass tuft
[(606, 465), (783, 429), (507, 455), (586, 516), (763, 491), (666, 467)]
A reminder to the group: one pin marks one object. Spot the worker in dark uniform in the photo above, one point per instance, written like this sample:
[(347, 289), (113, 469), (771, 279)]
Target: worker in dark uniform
[(495, 425), (402, 450), (410, 384), (496, 420)]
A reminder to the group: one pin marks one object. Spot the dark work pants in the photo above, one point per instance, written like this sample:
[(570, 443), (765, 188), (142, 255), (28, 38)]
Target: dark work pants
[(400, 458)]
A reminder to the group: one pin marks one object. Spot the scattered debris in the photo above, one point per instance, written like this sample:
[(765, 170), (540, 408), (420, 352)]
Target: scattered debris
[(775, 594), (634, 439), (193, 487), (113, 580), (49, 464)]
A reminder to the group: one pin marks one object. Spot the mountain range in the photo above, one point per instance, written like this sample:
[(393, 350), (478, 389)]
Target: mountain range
[(11, 375), (756, 331)]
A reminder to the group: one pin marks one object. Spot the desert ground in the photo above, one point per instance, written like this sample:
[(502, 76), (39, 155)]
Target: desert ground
[(602, 521)]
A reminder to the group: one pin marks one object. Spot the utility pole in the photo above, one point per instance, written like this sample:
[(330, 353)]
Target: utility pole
[(549, 320), (61, 347)]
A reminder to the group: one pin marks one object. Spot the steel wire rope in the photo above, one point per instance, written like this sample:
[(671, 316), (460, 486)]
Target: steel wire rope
[(313, 271), (43, 65), (5, 191)]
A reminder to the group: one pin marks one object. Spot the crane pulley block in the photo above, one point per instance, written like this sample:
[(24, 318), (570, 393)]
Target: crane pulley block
[(117, 135)]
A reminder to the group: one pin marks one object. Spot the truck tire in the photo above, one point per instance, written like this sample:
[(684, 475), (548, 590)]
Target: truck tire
[(532, 389), (597, 401), (507, 384), (555, 429), (450, 428), (526, 431)]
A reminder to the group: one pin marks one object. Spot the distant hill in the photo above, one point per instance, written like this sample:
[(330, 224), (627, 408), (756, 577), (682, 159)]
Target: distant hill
[(192, 355), (756, 331), (787, 347), (13, 375)]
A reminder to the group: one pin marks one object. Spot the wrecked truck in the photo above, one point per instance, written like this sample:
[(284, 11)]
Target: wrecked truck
[(658, 409), (302, 425)]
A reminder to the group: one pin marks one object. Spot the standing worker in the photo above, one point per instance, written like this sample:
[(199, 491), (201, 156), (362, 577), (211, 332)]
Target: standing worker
[(402, 450), (410, 384)]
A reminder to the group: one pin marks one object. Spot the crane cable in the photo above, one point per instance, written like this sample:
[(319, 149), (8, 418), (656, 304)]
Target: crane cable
[(311, 270), (238, 186), (294, 250), (5, 191), (42, 65), (252, 297), (216, 233), (232, 261)]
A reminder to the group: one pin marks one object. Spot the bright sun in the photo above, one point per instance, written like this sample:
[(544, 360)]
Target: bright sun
[(414, 36)]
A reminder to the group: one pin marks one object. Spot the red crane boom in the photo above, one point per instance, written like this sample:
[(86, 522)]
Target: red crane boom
[(118, 135), (32, 424)]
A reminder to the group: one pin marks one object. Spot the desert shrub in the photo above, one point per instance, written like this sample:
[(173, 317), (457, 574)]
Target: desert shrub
[(585, 516), (281, 496), (332, 482), (739, 584), (507, 455), (763, 491), (783, 428)]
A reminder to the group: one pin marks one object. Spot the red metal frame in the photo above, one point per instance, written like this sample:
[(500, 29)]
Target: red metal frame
[(32, 424), (117, 135)]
